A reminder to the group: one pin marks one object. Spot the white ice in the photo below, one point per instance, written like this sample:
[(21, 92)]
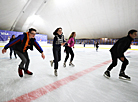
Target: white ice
[(91, 87)]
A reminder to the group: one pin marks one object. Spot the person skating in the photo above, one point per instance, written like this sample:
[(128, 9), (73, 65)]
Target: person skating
[(69, 50), (58, 41), (21, 44), (97, 45), (11, 48), (117, 52)]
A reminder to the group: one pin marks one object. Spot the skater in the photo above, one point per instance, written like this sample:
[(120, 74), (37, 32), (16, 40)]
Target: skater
[(69, 50), (58, 41), (21, 44), (11, 48), (117, 52), (94, 44), (97, 45)]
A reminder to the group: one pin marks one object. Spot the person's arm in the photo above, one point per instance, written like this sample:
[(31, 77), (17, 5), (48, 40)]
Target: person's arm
[(54, 40), (38, 47), (10, 44), (64, 42), (69, 41)]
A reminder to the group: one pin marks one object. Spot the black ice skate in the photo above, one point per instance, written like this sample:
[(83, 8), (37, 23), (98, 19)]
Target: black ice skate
[(107, 74), (123, 76)]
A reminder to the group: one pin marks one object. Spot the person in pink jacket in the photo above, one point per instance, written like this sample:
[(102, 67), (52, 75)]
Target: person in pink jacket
[(68, 49)]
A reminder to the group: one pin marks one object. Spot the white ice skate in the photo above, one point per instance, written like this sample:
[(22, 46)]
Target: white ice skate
[(55, 72), (70, 64), (51, 63), (64, 65)]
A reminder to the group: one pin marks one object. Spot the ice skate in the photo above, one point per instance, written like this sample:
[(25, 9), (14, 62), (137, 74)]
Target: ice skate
[(71, 64), (64, 65), (28, 72), (20, 72), (55, 72), (51, 63), (107, 74), (123, 76)]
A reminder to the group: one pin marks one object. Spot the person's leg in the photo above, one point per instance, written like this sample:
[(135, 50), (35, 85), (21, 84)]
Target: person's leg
[(10, 53), (23, 62), (122, 74), (124, 64), (56, 59), (26, 71), (15, 54), (72, 54), (59, 54), (23, 59), (113, 64), (55, 53), (67, 53), (28, 60)]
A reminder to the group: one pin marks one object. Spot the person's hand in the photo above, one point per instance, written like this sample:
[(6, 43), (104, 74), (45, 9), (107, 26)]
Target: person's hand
[(122, 58), (62, 44), (4, 50), (43, 56)]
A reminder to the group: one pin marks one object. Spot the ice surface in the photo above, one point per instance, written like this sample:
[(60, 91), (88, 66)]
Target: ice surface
[(90, 87)]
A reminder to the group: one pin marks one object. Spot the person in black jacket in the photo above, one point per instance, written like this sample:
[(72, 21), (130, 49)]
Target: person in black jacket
[(117, 52), (97, 45), (21, 44), (57, 43), (11, 48)]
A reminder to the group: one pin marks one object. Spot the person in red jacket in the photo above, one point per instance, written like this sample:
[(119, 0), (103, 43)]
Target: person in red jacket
[(21, 44)]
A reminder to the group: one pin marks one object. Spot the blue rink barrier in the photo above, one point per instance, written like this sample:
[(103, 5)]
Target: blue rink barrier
[(4, 35)]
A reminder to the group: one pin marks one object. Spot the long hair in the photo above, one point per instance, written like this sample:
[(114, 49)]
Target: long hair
[(55, 32), (71, 35), (12, 36)]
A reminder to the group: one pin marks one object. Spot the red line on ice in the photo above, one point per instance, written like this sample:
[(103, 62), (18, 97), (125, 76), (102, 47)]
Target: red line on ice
[(48, 88)]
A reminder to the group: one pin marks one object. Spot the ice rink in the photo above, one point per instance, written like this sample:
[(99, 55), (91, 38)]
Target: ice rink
[(83, 83)]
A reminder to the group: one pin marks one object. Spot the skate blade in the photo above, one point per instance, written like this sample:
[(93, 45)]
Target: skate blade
[(124, 78), (106, 76)]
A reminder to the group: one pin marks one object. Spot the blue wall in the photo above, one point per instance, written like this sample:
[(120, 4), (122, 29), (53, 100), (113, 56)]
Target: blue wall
[(4, 34)]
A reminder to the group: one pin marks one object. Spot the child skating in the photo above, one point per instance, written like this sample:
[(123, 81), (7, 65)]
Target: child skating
[(68, 49), (58, 41)]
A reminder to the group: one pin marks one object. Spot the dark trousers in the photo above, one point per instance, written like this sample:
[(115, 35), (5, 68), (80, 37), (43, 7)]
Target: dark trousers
[(25, 60), (97, 48), (11, 50), (57, 55), (69, 51), (114, 63)]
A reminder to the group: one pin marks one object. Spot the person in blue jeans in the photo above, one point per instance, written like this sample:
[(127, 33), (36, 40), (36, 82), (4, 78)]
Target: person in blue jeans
[(58, 41)]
